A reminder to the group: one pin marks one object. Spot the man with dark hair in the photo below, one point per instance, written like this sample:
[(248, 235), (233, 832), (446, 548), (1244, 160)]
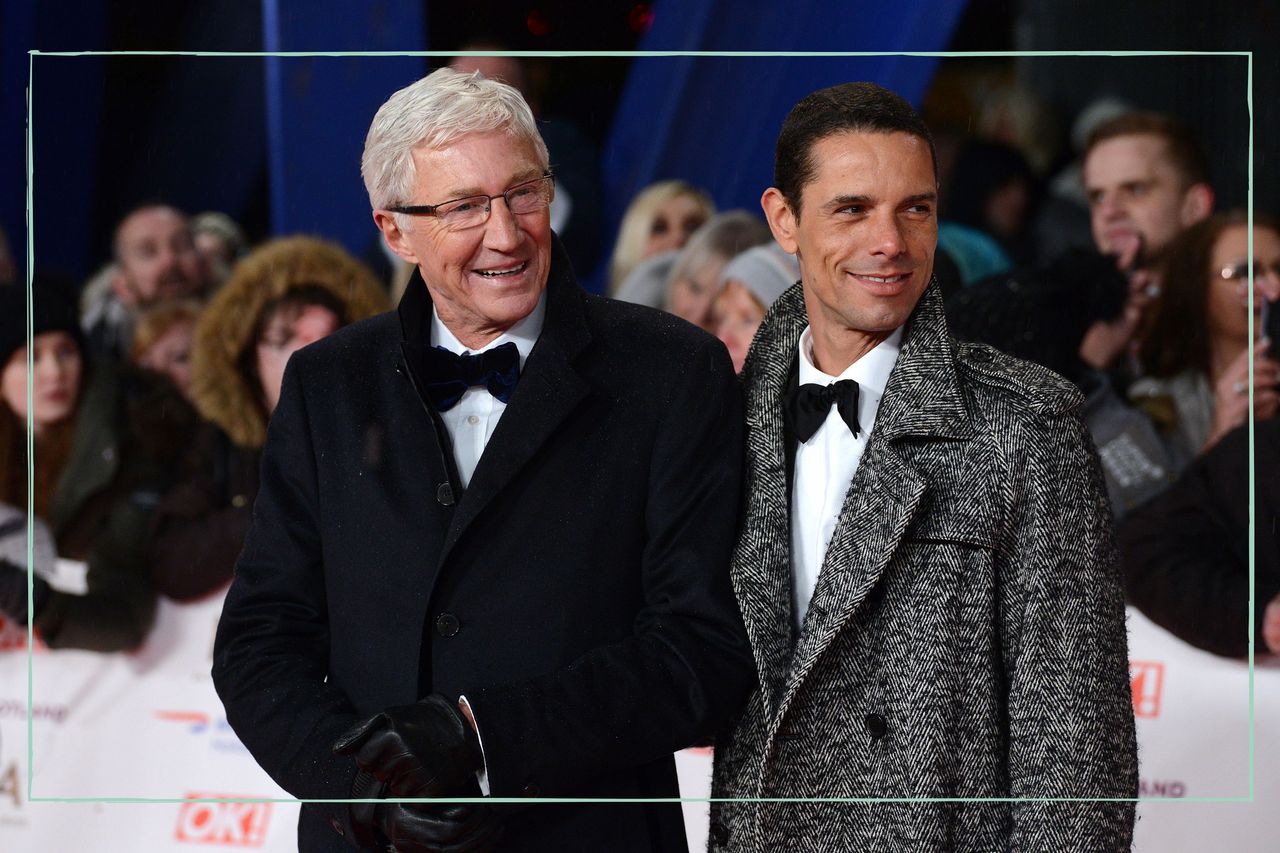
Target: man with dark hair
[(155, 260), (1147, 180), (926, 566)]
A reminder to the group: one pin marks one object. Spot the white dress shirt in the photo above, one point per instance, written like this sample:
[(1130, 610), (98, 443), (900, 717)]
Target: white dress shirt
[(471, 422), (825, 464)]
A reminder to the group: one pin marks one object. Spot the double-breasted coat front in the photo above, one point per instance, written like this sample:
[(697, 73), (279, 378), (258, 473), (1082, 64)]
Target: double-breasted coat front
[(966, 638)]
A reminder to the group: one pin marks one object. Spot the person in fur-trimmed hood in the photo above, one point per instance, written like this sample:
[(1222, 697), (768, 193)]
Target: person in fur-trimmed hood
[(285, 295)]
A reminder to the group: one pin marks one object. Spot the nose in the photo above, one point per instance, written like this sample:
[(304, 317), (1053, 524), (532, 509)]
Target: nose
[(1109, 206), (888, 239), (502, 231)]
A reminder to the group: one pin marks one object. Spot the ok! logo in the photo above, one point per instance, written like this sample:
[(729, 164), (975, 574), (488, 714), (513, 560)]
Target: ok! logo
[(227, 824), (1146, 678)]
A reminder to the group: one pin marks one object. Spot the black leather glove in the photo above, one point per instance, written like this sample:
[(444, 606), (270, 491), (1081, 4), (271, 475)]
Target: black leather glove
[(13, 592), (444, 828), (427, 749), (414, 827)]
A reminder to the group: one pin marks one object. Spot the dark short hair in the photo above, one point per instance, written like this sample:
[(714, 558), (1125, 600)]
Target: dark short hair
[(846, 108), (1185, 150)]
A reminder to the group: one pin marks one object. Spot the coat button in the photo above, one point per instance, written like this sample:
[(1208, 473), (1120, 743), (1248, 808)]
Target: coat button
[(981, 355), (337, 827), (876, 725), (531, 790), (718, 833), (444, 494), (447, 625)]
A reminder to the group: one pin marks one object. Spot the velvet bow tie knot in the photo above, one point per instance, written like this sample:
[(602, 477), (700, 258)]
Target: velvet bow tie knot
[(449, 375), (806, 408)]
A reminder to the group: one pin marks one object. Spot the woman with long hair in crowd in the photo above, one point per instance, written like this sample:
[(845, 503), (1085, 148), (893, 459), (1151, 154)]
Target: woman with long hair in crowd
[(660, 219), (105, 440), (286, 294), (1195, 355)]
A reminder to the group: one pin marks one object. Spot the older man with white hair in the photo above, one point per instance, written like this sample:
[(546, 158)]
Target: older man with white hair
[(490, 550)]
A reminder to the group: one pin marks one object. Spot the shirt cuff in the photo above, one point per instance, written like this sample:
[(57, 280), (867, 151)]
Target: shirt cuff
[(482, 775)]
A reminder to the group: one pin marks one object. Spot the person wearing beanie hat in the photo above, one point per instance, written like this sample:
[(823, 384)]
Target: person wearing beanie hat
[(105, 441), (748, 286), (284, 295)]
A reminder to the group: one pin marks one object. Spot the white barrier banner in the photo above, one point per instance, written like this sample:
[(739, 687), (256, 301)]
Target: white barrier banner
[(149, 725)]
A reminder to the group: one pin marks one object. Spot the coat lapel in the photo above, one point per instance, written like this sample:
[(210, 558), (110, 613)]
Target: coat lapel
[(762, 559), (922, 400), (549, 390)]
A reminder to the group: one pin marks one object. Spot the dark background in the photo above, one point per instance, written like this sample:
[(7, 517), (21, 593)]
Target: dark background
[(275, 142)]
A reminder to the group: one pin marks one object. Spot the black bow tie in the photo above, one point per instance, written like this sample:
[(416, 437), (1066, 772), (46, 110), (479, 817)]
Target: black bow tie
[(807, 407), (449, 375)]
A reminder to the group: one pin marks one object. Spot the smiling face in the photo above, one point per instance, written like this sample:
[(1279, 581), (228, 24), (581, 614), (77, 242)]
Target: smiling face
[(484, 279), (865, 238)]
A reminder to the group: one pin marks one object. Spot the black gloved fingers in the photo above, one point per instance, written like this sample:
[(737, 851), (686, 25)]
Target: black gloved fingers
[(421, 750), (355, 736), (451, 827)]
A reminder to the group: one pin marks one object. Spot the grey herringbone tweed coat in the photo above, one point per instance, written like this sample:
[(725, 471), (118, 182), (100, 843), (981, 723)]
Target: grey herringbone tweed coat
[(966, 637)]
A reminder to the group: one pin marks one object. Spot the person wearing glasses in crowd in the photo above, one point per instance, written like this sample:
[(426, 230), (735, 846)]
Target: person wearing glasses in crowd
[(1195, 357), (489, 554)]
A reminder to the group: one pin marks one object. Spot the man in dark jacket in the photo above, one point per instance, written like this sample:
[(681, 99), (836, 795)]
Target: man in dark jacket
[(490, 550)]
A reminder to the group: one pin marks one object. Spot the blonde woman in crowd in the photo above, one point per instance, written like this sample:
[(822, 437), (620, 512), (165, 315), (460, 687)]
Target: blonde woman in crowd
[(661, 218)]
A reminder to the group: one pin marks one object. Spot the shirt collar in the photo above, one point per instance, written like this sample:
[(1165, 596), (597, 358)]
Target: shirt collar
[(524, 334), (870, 372)]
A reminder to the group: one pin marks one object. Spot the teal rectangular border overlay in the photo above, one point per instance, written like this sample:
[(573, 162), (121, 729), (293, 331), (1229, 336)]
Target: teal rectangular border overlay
[(631, 55)]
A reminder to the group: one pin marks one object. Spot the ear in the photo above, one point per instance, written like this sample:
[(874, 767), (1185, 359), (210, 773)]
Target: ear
[(120, 287), (1197, 204), (781, 219), (396, 240)]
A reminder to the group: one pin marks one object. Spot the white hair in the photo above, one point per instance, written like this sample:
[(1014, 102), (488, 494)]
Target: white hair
[(432, 113)]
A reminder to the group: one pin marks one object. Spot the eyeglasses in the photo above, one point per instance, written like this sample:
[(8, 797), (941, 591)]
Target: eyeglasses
[(1240, 271), (460, 214)]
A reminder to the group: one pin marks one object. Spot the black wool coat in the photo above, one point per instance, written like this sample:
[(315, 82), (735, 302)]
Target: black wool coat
[(577, 593)]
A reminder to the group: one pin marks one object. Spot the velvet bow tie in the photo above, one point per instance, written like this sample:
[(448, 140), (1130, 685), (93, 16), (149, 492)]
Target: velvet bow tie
[(807, 407), (449, 375)]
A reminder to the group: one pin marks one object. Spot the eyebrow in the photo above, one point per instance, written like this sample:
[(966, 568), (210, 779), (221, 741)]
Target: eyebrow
[(841, 200), (519, 178)]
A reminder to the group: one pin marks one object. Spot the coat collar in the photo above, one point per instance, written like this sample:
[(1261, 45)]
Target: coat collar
[(922, 400), (550, 386)]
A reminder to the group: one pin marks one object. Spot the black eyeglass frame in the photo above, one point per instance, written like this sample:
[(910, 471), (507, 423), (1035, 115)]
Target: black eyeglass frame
[(430, 209)]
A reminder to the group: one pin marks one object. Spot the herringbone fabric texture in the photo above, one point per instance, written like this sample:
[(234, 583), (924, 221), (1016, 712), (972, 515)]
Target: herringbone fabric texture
[(966, 637)]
